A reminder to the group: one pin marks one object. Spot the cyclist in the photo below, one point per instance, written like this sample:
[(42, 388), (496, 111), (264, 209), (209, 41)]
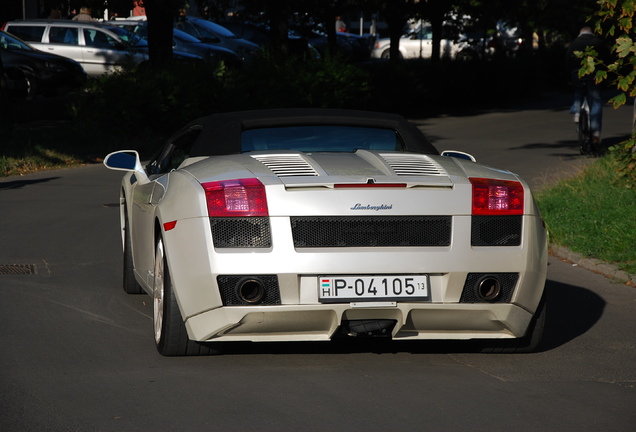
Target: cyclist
[(586, 38)]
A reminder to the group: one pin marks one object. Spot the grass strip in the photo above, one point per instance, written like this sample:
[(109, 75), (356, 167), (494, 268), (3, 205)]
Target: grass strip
[(594, 214)]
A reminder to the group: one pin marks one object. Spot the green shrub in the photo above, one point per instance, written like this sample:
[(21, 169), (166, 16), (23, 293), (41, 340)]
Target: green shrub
[(148, 104), (149, 101), (297, 82), (625, 154)]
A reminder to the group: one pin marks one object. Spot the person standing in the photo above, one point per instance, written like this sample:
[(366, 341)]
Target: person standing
[(84, 15), (585, 39), (340, 25), (139, 9)]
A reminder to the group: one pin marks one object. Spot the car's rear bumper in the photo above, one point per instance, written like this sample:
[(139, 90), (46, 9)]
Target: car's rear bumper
[(320, 322)]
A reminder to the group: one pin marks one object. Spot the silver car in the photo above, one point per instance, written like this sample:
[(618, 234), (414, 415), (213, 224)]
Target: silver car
[(99, 49), (307, 225), (417, 44)]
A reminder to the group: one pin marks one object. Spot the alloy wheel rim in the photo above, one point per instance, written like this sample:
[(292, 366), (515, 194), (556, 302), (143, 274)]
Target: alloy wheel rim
[(158, 293)]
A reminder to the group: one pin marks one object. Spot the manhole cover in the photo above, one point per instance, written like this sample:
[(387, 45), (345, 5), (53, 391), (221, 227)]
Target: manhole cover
[(17, 269)]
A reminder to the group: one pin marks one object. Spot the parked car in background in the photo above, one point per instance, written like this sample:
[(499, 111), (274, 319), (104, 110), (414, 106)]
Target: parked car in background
[(313, 224), (183, 42), (212, 33), (352, 47), (248, 31), (98, 48), (418, 44), (260, 35), (36, 72)]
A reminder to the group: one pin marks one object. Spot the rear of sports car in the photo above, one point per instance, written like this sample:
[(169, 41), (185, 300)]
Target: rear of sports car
[(291, 246)]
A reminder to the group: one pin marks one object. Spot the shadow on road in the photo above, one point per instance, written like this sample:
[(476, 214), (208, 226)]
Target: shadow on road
[(18, 184)]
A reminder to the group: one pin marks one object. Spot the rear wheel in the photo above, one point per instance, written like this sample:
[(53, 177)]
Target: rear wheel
[(171, 335), (31, 85), (584, 132), (532, 338)]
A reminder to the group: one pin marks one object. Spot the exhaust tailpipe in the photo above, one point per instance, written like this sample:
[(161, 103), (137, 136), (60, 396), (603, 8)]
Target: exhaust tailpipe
[(489, 288), (250, 290)]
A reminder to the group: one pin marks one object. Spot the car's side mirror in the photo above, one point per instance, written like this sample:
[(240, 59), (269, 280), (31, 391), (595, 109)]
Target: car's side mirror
[(459, 155), (125, 160)]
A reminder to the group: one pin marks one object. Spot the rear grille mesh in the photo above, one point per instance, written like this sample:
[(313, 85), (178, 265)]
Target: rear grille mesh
[(362, 231), (237, 232), (496, 231)]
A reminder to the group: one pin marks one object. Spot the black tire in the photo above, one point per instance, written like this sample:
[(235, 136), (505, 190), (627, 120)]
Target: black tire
[(532, 338), (584, 132), (171, 336), (386, 54), (129, 283), (31, 86)]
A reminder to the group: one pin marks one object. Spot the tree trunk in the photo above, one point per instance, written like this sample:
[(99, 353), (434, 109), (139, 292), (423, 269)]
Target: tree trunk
[(395, 15), (161, 15)]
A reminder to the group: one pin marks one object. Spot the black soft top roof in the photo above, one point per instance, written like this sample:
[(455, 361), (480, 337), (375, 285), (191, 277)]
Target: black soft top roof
[(221, 133)]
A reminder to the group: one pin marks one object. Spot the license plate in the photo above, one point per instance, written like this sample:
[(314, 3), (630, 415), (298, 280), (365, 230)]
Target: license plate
[(370, 288)]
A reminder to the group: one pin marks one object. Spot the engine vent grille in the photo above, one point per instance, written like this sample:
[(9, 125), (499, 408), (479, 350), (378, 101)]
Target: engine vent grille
[(287, 165), (413, 165), (363, 231)]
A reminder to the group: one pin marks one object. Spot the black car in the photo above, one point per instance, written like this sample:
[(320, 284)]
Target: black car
[(31, 72)]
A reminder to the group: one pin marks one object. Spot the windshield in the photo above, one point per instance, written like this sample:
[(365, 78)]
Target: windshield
[(184, 37), (129, 37), (11, 43), (321, 139), (215, 28)]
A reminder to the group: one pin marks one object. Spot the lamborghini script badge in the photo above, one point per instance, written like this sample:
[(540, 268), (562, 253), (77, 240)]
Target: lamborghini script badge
[(359, 206)]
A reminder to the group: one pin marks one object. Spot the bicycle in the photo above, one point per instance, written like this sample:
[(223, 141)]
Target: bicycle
[(583, 127)]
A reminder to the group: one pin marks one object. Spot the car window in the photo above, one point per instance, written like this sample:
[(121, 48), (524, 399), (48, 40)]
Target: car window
[(321, 139), (27, 33), (10, 43), (185, 37), (215, 28), (175, 152), (200, 33), (98, 39), (126, 34), (425, 33), (63, 35)]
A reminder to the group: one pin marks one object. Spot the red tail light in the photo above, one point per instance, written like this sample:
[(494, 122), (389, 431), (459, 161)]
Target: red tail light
[(497, 197), (236, 198)]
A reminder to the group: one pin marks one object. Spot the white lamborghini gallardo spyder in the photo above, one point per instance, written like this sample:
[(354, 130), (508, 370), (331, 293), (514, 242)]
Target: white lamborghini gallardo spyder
[(307, 224)]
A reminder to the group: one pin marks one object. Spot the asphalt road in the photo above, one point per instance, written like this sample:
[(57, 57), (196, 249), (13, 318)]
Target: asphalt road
[(76, 352)]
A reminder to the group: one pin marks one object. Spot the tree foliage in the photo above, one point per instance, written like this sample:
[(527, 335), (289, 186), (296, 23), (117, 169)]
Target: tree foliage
[(616, 20)]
